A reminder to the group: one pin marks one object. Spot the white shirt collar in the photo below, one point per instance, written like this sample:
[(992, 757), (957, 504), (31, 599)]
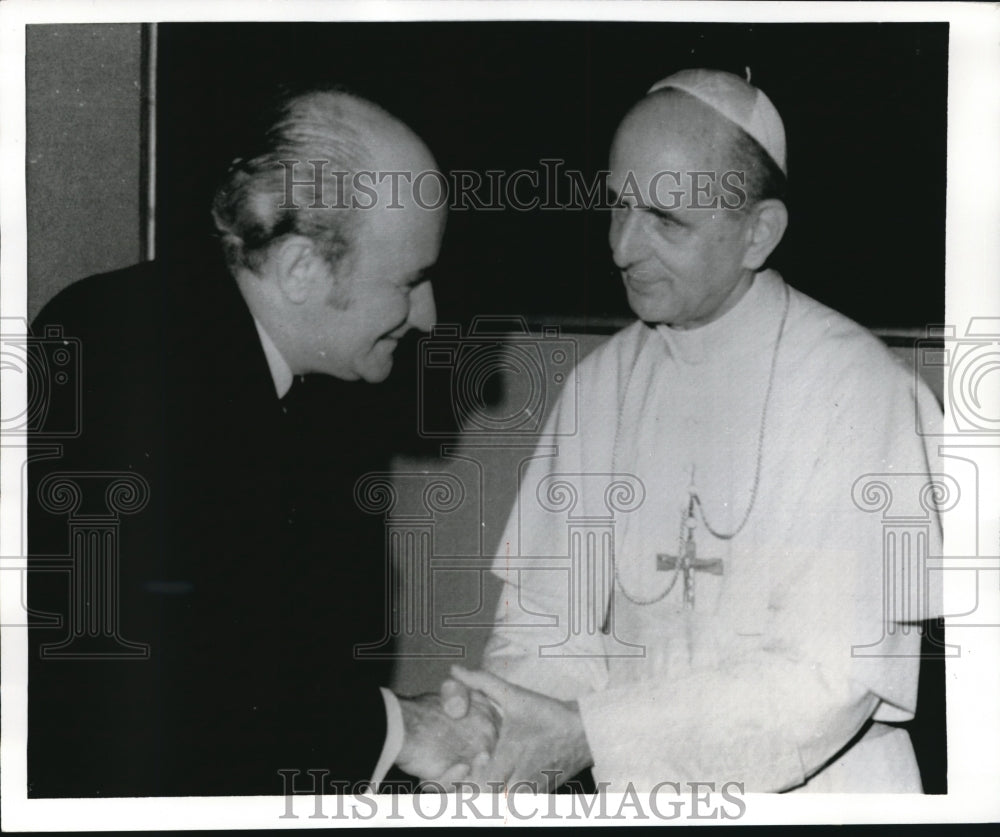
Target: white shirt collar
[(281, 372), (742, 330)]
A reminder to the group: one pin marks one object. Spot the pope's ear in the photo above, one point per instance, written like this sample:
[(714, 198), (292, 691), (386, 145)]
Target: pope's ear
[(768, 220), (298, 268)]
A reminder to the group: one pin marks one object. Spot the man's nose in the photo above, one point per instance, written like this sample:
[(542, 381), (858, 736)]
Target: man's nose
[(624, 237), (423, 312)]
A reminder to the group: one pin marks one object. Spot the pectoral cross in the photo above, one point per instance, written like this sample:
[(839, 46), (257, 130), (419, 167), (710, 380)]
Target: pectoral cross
[(688, 562)]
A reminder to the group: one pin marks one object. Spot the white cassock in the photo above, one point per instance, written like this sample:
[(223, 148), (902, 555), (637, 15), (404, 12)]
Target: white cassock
[(793, 663)]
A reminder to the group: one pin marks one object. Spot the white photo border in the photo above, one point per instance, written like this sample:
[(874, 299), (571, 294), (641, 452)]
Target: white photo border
[(973, 290)]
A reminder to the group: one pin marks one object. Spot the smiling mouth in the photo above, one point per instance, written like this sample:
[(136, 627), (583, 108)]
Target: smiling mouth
[(398, 333), (390, 337), (637, 282)]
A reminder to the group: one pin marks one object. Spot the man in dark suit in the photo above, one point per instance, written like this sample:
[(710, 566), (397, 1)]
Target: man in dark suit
[(222, 572)]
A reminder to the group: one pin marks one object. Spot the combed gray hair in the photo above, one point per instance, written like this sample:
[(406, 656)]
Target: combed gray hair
[(269, 194)]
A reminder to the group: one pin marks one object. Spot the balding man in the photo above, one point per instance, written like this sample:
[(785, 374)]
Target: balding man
[(222, 394), (746, 589)]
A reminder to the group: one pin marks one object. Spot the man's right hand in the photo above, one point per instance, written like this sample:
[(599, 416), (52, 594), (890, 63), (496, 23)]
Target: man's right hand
[(438, 745)]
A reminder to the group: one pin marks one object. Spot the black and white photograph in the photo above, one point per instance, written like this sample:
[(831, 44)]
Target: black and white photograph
[(444, 414)]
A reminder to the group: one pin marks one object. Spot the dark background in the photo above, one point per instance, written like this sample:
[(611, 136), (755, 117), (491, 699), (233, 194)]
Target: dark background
[(864, 108)]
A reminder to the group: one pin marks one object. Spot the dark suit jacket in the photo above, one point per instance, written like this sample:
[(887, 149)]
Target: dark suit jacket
[(250, 573)]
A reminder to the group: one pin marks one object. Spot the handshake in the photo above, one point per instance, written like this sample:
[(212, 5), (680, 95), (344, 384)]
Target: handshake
[(482, 731)]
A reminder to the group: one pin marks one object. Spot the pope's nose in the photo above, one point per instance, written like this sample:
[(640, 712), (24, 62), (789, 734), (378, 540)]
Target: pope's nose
[(624, 237)]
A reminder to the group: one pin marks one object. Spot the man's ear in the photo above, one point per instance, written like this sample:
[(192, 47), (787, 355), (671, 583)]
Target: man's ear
[(768, 221), (298, 269)]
